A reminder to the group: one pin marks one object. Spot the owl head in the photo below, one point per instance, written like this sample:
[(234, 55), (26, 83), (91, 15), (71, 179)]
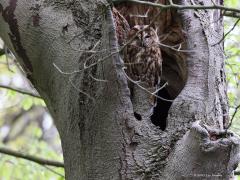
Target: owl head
[(146, 38)]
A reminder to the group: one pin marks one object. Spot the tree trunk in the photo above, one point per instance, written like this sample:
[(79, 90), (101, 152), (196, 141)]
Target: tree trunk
[(69, 52)]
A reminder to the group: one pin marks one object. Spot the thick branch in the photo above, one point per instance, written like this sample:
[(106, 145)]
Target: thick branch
[(232, 12), (31, 158)]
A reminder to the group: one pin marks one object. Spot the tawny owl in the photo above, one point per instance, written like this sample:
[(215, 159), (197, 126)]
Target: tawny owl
[(142, 57)]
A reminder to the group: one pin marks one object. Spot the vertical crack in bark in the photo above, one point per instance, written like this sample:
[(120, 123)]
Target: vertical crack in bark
[(9, 16)]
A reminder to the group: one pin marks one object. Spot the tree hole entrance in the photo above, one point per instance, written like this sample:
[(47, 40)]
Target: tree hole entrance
[(160, 111), (172, 43), (137, 116)]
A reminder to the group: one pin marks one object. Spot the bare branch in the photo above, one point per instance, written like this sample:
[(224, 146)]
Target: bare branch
[(81, 91), (7, 54), (152, 93), (234, 114), (171, 2), (176, 49), (111, 54), (22, 91), (231, 14), (235, 24), (63, 72), (53, 171), (228, 10), (96, 79), (35, 159), (213, 3), (108, 56)]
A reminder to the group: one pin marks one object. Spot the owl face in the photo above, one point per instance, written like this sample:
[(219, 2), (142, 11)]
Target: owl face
[(146, 38)]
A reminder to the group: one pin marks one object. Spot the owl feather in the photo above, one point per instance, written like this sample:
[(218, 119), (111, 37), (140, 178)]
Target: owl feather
[(142, 57)]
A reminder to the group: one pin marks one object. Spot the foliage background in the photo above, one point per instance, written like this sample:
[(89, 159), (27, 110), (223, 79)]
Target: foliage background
[(25, 126), (232, 53)]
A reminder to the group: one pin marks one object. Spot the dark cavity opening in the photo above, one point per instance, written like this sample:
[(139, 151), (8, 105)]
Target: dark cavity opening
[(137, 116), (160, 111)]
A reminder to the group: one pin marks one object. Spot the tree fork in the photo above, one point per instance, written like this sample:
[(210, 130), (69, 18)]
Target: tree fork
[(101, 138)]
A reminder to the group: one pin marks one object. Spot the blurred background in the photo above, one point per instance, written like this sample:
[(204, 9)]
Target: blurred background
[(27, 127), (232, 62)]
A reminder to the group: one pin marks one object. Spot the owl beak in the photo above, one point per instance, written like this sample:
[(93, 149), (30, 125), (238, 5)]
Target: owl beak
[(143, 44)]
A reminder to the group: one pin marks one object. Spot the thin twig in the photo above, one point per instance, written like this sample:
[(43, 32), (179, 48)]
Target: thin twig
[(213, 3), (122, 48), (79, 90), (152, 93), (31, 158), (86, 61), (96, 79), (235, 24), (7, 59), (183, 7), (231, 14), (65, 73), (171, 2), (178, 49), (53, 171), (234, 114), (111, 54), (22, 91), (90, 51), (106, 57)]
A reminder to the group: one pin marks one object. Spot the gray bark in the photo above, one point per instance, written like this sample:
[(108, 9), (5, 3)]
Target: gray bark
[(101, 139)]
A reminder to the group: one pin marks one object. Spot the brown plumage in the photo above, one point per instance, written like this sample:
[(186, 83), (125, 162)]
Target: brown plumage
[(122, 26), (142, 57)]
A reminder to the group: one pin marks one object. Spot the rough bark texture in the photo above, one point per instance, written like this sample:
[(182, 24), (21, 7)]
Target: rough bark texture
[(55, 40)]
